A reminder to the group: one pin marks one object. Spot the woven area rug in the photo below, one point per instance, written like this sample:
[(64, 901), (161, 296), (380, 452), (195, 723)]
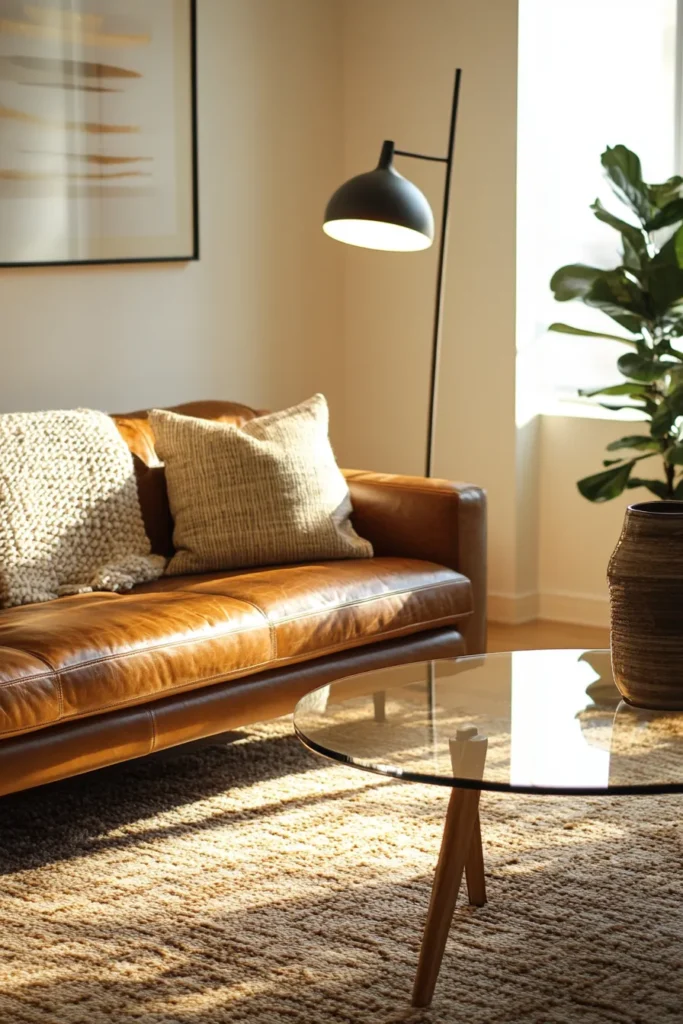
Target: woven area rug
[(253, 882)]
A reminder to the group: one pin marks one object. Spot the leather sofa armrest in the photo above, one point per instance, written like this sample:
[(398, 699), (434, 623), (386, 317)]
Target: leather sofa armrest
[(435, 520)]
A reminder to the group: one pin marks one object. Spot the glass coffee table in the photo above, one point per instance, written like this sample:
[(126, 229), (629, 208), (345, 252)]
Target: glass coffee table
[(540, 722)]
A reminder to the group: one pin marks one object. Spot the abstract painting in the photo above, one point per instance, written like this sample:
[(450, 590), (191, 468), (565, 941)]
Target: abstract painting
[(98, 141)]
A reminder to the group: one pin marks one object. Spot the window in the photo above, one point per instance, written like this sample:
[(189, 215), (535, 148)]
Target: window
[(592, 73)]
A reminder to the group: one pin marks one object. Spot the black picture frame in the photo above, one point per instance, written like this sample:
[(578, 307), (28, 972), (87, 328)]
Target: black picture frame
[(192, 256)]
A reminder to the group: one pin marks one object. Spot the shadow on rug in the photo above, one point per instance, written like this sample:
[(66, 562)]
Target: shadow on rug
[(253, 882)]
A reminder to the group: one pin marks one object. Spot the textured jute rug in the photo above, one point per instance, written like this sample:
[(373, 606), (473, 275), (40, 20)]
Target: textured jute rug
[(254, 882)]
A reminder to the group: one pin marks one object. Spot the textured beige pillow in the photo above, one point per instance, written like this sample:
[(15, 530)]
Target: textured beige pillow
[(70, 519), (266, 493)]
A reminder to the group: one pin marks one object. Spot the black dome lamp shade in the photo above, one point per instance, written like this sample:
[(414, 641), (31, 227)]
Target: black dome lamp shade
[(380, 210), (383, 210)]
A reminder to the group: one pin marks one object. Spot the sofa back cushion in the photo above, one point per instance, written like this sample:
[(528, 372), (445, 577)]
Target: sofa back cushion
[(136, 431)]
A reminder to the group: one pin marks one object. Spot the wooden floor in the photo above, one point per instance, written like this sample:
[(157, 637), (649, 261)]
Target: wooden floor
[(545, 635)]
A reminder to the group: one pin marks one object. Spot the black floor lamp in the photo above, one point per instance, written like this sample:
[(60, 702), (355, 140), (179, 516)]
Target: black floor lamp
[(383, 210)]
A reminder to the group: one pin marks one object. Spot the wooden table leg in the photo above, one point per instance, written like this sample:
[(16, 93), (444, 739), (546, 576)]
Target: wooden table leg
[(468, 760), (474, 868), (461, 851), (455, 847)]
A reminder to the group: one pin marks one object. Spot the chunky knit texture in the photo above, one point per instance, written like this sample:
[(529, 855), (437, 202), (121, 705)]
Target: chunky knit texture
[(267, 493), (70, 518)]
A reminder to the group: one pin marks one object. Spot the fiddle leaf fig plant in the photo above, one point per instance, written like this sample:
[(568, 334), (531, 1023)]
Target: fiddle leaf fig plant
[(643, 296)]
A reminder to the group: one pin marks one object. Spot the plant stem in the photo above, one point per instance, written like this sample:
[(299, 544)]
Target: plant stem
[(669, 471)]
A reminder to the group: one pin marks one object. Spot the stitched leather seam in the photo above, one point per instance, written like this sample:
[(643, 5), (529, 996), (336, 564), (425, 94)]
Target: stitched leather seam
[(52, 671), (225, 677), (122, 657), (217, 677), (378, 636), (27, 679), (240, 600), (333, 608), (337, 608), (368, 599), (149, 650), (271, 627)]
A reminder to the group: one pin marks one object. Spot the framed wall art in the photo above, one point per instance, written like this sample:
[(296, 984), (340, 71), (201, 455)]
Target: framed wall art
[(98, 131)]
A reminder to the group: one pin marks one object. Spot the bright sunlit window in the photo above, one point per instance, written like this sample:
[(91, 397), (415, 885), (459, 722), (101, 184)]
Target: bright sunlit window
[(592, 73)]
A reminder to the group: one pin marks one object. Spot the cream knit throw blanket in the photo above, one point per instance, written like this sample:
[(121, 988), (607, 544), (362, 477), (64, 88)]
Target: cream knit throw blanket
[(70, 519)]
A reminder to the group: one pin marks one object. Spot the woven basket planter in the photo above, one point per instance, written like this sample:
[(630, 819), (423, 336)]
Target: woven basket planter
[(645, 577)]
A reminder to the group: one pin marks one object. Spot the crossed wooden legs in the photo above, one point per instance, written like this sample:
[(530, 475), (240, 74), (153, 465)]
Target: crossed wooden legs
[(461, 852)]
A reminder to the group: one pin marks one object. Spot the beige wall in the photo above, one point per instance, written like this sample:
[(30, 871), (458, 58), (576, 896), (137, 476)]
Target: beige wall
[(258, 318), (400, 59)]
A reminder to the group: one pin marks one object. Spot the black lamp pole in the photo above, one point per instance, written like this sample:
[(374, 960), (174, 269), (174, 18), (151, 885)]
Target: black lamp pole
[(441, 267)]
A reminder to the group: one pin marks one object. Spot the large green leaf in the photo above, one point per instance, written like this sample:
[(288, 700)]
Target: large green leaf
[(678, 490), (634, 390), (642, 368), (620, 298), (674, 455), (678, 246), (624, 171), (634, 234), (666, 254), (668, 410), (640, 442), (629, 321), (617, 288), (675, 400), (662, 279), (661, 195), (606, 485), (630, 256), (618, 408), (665, 285), (662, 421), (656, 487), (580, 332), (573, 281), (672, 213)]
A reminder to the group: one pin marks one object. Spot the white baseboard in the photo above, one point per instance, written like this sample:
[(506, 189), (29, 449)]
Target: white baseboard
[(513, 609), (579, 609)]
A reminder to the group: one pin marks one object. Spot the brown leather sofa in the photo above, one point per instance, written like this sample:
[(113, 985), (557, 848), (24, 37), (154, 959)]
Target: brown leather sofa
[(91, 680)]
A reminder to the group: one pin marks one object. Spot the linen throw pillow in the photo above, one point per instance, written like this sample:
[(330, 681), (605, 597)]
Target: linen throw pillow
[(265, 493), (70, 519)]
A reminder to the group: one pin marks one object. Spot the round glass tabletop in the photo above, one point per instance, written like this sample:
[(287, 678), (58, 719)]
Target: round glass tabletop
[(529, 722)]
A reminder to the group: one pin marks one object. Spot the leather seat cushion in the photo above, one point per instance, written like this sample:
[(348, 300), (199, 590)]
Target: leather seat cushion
[(87, 654)]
